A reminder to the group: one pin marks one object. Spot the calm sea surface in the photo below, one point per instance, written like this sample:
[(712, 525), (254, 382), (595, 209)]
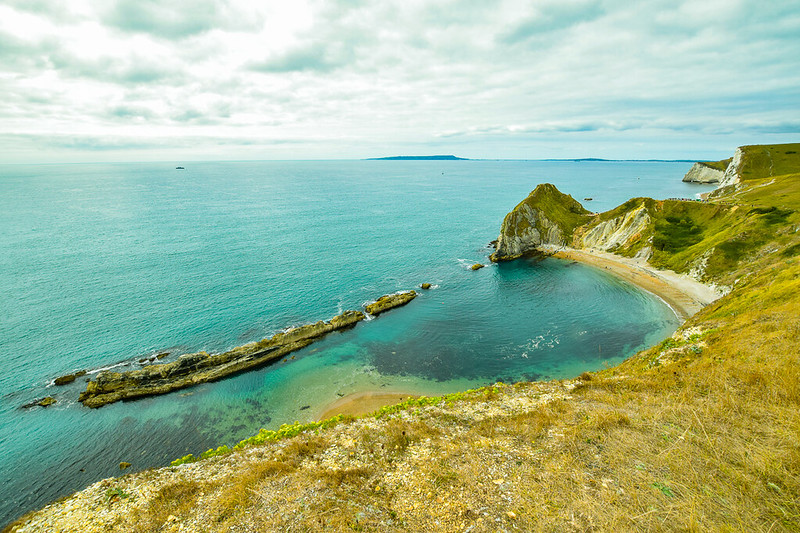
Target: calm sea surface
[(109, 263)]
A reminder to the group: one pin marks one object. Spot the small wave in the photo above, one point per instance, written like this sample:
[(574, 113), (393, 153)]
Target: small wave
[(541, 341), (104, 368)]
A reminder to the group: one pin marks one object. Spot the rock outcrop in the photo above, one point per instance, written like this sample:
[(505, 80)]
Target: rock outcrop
[(703, 173), (546, 216), (201, 367), (69, 378), (390, 301), (619, 232)]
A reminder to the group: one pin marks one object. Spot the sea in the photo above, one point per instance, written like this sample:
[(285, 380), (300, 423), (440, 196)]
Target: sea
[(103, 265)]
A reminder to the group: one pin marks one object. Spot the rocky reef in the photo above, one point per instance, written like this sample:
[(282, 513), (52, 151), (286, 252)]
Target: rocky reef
[(201, 367), (390, 301), (69, 378), (546, 216)]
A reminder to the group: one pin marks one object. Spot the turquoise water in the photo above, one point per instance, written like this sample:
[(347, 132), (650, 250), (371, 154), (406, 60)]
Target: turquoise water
[(103, 264)]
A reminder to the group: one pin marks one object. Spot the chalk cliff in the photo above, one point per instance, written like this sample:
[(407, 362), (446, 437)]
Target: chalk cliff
[(702, 173), (622, 231), (732, 173)]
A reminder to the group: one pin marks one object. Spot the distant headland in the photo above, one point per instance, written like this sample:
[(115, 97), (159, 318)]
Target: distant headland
[(418, 158)]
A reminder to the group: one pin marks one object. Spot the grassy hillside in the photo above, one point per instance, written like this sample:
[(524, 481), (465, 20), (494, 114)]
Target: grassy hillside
[(730, 236), (699, 433), (761, 161)]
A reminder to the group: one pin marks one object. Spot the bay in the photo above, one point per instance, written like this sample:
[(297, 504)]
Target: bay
[(108, 263)]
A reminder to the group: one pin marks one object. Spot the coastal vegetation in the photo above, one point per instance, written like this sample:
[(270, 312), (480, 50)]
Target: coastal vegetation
[(697, 433), (717, 165), (766, 160)]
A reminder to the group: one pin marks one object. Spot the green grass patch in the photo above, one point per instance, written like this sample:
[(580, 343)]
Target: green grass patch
[(674, 234), (769, 160), (791, 251), (717, 165)]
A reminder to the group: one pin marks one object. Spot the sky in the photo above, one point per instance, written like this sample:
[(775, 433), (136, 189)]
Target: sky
[(153, 80)]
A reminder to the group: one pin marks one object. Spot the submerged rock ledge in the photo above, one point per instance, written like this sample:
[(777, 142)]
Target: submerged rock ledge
[(202, 367)]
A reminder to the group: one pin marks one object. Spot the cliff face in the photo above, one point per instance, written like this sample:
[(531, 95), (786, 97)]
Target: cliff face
[(702, 173), (619, 232), (546, 216), (732, 173)]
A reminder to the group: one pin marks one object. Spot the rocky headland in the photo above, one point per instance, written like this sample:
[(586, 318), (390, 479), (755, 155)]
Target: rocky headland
[(707, 171), (546, 216)]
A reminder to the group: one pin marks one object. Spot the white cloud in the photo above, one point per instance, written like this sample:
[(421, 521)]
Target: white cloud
[(348, 78)]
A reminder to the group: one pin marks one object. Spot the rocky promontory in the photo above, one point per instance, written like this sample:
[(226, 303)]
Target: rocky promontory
[(707, 171), (546, 216)]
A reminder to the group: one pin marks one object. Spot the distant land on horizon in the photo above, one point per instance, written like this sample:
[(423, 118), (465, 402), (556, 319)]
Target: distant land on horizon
[(418, 158), (576, 160), (598, 159)]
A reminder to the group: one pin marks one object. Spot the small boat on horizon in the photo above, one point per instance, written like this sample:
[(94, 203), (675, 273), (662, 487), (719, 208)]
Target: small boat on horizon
[(179, 168)]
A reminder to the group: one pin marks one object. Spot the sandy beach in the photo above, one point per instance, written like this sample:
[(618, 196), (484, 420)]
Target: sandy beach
[(685, 295), (361, 403)]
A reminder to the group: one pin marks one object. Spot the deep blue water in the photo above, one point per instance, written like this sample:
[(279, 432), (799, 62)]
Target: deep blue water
[(104, 263)]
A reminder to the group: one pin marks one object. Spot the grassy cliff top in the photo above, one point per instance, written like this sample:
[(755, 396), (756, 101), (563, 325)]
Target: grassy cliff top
[(717, 165), (732, 235), (561, 208), (764, 160)]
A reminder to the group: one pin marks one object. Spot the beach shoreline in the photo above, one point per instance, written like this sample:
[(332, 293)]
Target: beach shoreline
[(682, 293), (362, 403)]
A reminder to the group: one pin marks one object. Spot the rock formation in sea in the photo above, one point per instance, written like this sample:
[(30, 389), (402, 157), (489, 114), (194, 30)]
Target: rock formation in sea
[(69, 378), (546, 216), (390, 301), (201, 367)]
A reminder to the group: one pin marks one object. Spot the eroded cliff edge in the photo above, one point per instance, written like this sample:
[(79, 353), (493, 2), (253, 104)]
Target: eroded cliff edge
[(707, 171)]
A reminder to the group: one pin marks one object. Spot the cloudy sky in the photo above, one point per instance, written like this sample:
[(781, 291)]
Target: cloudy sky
[(131, 80)]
